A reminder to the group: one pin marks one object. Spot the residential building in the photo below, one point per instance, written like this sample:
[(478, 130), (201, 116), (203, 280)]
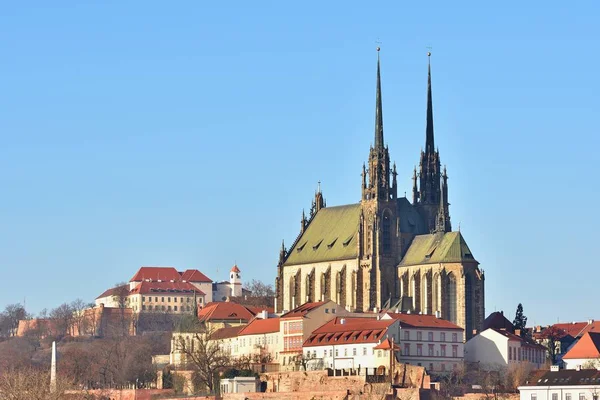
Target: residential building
[(386, 248), (260, 342), (558, 384), (499, 348), (225, 338), (585, 353), (239, 384), (352, 343), (218, 315), (297, 325), (429, 341)]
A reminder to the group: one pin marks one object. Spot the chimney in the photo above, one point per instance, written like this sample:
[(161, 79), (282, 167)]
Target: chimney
[(501, 312), (342, 321), (518, 332), (578, 368), (264, 314), (438, 314), (375, 309), (590, 321), (554, 368)]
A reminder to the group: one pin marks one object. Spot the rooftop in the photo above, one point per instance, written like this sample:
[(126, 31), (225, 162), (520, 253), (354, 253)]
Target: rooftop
[(568, 377), (302, 310), (422, 321), (261, 326), (152, 287), (225, 311), (342, 330), (587, 347)]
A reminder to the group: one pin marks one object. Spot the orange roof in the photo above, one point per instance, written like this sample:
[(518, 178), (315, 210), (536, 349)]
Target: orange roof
[(261, 326), (423, 321), (156, 274), (516, 338), (572, 329), (147, 287), (193, 275), (386, 345), (587, 347), (341, 330), (235, 269), (302, 310), (114, 291), (225, 311), (226, 333)]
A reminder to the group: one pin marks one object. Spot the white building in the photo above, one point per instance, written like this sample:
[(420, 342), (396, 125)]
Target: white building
[(563, 385), (585, 353), (239, 384), (351, 343), (499, 348), (428, 341), (232, 288), (259, 341)]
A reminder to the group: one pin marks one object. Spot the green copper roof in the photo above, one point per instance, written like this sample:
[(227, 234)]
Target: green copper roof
[(437, 248), (330, 236)]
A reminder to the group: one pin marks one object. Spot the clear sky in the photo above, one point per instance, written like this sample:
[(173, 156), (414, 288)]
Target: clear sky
[(193, 133)]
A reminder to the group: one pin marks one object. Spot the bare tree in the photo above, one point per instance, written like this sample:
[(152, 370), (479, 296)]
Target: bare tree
[(62, 318), (80, 322), (260, 289), (205, 357), (30, 384), (9, 319), (551, 337)]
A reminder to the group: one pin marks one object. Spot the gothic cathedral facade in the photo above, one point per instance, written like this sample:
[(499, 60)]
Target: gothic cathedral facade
[(386, 252)]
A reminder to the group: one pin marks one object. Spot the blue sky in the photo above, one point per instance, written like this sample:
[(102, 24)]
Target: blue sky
[(193, 134)]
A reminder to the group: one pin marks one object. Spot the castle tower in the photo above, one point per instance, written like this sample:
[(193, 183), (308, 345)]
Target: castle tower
[(235, 281)]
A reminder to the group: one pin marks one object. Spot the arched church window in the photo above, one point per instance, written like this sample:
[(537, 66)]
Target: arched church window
[(452, 312), (386, 233), (468, 305), (435, 294)]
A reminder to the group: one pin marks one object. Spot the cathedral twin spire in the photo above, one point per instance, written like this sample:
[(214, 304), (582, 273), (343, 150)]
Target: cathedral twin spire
[(430, 190)]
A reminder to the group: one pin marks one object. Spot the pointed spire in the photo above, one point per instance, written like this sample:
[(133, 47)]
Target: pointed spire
[(415, 190), (282, 252), (378, 110), (429, 141)]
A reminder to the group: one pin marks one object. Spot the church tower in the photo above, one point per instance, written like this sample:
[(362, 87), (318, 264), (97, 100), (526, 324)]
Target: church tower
[(378, 250), (428, 197)]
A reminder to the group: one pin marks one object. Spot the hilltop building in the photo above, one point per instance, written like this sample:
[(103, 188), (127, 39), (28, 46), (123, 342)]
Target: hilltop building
[(386, 251)]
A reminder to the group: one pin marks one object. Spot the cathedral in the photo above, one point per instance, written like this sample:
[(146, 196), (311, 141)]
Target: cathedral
[(386, 252)]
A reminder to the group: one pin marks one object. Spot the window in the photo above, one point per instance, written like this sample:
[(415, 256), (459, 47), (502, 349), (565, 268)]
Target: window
[(455, 351), (169, 308), (419, 349), (345, 352), (327, 311), (162, 299), (554, 396), (156, 299), (581, 396), (182, 299), (364, 351), (430, 336), (568, 396), (143, 308), (174, 308), (430, 366), (175, 299), (143, 298), (443, 350), (406, 335), (337, 352), (333, 310), (430, 350), (510, 354), (330, 353), (406, 349), (378, 353), (168, 299), (443, 337), (454, 337), (533, 396), (354, 351), (419, 336)]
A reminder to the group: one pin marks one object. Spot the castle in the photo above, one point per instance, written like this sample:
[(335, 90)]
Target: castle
[(386, 252)]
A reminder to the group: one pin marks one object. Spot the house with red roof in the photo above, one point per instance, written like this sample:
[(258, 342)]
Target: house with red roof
[(352, 343), (585, 353), (220, 314), (260, 342), (298, 324), (495, 348), (428, 341)]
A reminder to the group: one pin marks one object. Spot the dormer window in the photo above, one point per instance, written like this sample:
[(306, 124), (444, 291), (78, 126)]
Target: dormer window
[(316, 246)]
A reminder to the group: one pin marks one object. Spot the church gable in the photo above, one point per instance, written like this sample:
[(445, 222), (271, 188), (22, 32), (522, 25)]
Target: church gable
[(437, 248), (331, 235)]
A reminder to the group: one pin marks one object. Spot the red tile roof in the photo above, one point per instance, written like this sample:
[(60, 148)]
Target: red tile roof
[(423, 321), (225, 311), (226, 333), (587, 347), (166, 287), (572, 329), (341, 330), (193, 275), (302, 310), (235, 269), (156, 274), (497, 320), (515, 338), (261, 326), (114, 291), (386, 345)]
